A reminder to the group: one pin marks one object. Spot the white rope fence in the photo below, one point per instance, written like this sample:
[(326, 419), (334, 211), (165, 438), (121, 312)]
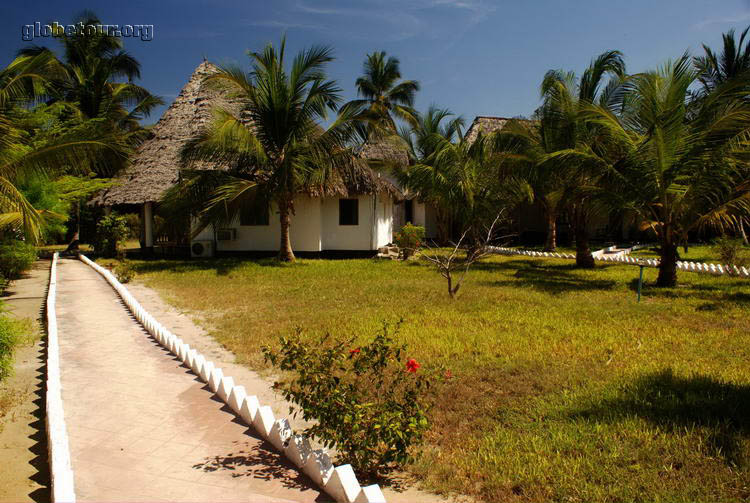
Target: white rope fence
[(339, 482), (61, 471), (716, 269)]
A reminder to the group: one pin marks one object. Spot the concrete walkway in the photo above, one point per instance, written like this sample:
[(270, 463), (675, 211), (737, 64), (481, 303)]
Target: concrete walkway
[(141, 426)]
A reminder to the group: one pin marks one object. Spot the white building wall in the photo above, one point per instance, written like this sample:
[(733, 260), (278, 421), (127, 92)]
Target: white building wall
[(349, 237), (385, 221), (315, 227)]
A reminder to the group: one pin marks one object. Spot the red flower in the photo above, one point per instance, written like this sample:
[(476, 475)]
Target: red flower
[(412, 365), (448, 374), (354, 351)]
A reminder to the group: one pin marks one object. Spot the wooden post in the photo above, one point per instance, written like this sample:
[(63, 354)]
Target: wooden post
[(148, 227)]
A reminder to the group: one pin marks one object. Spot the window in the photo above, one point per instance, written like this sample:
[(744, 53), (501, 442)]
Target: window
[(409, 211), (348, 211), (256, 214)]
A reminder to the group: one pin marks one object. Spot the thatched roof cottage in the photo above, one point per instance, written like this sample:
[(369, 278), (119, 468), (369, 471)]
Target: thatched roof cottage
[(354, 215)]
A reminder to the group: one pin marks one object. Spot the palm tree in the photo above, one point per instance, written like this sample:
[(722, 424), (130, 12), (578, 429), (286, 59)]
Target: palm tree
[(27, 152), (558, 151), (430, 130), (385, 98), (459, 178), (277, 147), (94, 64), (731, 66), (733, 62), (682, 167)]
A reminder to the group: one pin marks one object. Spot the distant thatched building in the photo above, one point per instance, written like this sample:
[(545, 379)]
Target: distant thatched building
[(484, 124)]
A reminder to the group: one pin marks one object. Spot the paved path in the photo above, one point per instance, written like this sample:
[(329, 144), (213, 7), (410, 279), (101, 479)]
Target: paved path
[(141, 426)]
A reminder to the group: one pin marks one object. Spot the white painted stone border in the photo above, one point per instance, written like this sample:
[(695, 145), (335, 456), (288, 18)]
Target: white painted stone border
[(715, 269), (60, 468), (339, 482)]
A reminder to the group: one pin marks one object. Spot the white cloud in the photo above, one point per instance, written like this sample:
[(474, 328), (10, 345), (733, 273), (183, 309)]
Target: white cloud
[(737, 18)]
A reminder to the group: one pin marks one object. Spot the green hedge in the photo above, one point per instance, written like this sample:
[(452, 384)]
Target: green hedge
[(10, 335), (15, 258)]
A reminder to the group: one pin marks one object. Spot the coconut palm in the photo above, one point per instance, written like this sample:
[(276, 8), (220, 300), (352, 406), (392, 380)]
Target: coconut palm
[(385, 96), (732, 65), (94, 64), (459, 178), (557, 152), (431, 130), (277, 148), (716, 69), (27, 151), (681, 168)]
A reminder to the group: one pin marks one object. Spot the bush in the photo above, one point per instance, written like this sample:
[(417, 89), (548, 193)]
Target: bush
[(111, 232), (10, 336), (732, 251), (124, 271), (134, 225), (16, 257), (409, 239), (369, 402)]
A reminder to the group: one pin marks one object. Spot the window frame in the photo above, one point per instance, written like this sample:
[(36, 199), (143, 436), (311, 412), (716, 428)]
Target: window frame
[(245, 222)]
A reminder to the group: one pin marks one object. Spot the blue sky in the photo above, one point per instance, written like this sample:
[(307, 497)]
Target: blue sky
[(474, 57)]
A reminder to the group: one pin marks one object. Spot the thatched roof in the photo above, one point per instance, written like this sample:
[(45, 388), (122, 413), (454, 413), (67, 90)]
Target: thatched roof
[(155, 166), (384, 150), (485, 125)]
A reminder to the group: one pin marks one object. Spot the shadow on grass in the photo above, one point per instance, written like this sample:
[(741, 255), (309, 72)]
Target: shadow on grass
[(678, 403), (552, 278), (222, 266), (717, 296)]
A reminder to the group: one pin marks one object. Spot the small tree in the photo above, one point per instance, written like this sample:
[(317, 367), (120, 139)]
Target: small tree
[(111, 231), (452, 267)]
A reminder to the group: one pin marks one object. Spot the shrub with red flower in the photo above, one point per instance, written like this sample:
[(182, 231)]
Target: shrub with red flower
[(358, 399), (409, 239), (412, 365)]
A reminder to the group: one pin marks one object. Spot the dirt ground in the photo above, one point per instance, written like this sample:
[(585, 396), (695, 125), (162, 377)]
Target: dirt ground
[(23, 448)]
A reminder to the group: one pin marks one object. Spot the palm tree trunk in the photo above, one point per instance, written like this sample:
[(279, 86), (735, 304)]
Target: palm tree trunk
[(286, 254), (741, 226), (583, 251), (551, 244), (668, 263)]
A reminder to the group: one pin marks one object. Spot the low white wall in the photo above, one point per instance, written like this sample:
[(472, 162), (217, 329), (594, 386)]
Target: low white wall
[(60, 466), (716, 269), (339, 482)]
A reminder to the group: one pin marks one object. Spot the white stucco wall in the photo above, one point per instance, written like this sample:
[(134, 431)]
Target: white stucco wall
[(348, 237), (315, 227), (385, 221)]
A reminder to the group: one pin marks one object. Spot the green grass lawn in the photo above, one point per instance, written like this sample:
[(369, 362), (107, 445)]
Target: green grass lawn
[(565, 388)]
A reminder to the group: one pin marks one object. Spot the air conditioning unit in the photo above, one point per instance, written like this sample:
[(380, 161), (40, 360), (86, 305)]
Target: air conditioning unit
[(226, 234), (202, 248)]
